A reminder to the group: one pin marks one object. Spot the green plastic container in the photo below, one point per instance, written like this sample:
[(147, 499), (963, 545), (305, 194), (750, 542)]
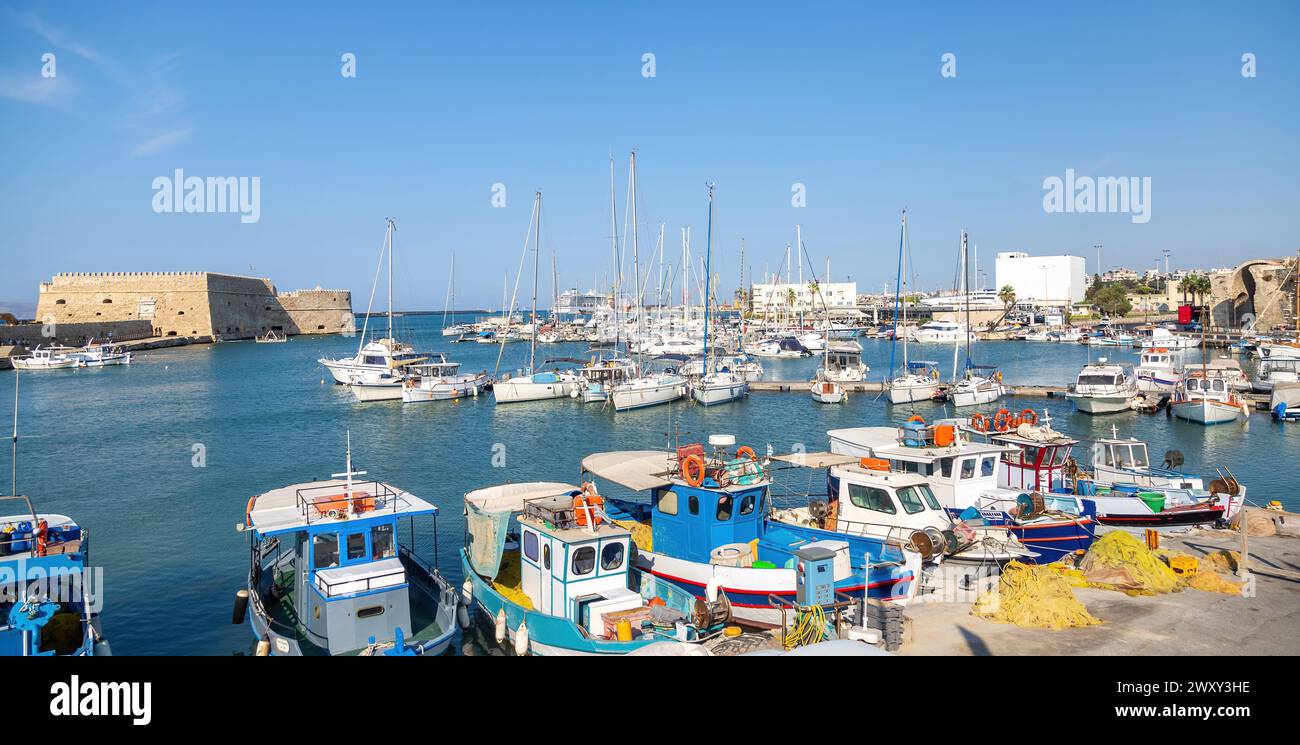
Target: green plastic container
[(760, 564), (1154, 500)]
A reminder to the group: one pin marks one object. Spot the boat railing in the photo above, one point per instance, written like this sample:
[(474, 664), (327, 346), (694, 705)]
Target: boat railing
[(366, 496), (355, 585)]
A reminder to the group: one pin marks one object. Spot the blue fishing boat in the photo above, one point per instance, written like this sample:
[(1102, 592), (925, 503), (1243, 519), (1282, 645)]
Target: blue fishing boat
[(329, 573), (49, 604), (553, 576), (705, 528)]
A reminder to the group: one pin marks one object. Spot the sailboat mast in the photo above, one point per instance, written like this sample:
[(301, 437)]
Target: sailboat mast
[(537, 245), (907, 250), (636, 266), (893, 343), (965, 280), (390, 278), (613, 249), (708, 255)]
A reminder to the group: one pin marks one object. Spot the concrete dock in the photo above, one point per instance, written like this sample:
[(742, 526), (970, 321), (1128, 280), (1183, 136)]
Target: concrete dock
[(1190, 622)]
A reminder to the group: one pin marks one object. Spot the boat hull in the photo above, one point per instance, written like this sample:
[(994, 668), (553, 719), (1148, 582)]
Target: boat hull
[(516, 390), (443, 391), (719, 393), (962, 396), (1102, 404), (626, 398), (377, 391), (1206, 412), (912, 393)]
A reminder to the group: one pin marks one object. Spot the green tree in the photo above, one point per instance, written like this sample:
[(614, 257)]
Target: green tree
[(1007, 295)]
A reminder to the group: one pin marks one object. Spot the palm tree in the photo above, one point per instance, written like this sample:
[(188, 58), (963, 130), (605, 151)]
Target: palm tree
[(791, 297), (1007, 295)]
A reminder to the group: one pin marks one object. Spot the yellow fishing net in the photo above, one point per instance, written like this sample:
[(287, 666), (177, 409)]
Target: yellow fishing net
[(642, 536), (508, 581), (1119, 561), (1222, 560), (1214, 582), (1034, 597)]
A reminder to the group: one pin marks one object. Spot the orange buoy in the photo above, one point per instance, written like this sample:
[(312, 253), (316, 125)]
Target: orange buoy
[(1001, 420), (916, 418), (1029, 417), (745, 451), (248, 511), (693, 470), (980, 423)]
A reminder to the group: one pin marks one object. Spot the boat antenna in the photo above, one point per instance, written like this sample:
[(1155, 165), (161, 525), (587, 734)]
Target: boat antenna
[(348, 473)]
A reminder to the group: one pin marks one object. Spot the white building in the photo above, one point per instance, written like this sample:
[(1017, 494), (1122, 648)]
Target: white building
[(776, 297), (1046, 280)]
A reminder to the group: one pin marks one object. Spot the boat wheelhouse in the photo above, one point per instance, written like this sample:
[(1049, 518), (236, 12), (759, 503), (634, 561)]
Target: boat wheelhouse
[(1103, 389), (1273, 372), (1158, 371), (601, 373), (49, 603), (705, 528), (554, 576), (843, 363), (438, 379), (1206, 397), (329, 573), (48, 358)]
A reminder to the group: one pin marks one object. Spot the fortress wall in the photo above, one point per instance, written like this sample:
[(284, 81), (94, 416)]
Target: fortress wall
[(319, 311), (32, 335), (193, 304)]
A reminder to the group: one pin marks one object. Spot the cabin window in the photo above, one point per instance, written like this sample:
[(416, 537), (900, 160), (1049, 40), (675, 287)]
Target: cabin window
[(374, 360), (724, 508), (928, 496), (987, 465), (325, 550), (668, 502), (693, 505), (747, 504), (870, 498), (911, 500), (371, 612), (356, 546), (584, 561), (945, 468), (381, 542), (611, 557), (968, 468), (530, 546), (546, 557)]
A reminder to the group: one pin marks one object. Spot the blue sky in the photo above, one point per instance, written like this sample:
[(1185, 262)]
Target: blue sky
[(451, 98)]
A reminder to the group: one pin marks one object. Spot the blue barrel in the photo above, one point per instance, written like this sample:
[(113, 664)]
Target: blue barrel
[(1087, 487), (22, 538)]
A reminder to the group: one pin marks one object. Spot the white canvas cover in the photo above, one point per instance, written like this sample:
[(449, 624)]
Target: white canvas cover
[(487, 519), (638, 470)]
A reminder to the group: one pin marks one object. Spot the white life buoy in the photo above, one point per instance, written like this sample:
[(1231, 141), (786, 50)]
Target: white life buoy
[(521, 639)]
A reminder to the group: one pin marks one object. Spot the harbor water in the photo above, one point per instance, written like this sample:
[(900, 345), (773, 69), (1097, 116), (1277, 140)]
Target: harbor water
[(158, 459)]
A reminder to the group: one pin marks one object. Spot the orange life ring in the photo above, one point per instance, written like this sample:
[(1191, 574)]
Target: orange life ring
[(248, 511), (980, 423), (916, 418), (745, 451), (693, 470), (1029, 417), (1014, 422), (1001, 420)]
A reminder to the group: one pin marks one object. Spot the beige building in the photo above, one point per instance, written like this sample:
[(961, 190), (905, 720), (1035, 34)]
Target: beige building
[(193, 304)]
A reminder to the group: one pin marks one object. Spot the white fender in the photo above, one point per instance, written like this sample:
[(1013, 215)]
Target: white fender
[(467, 592), (711, 590), (521, 639), (501, 626), (462, 615)]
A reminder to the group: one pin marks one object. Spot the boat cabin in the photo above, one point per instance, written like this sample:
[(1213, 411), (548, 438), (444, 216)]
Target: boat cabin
[(1158, 357), (46, 598), (325, 562), (1033, 463), (434, 365), (868, 499), (1126, 461), (958, 470), (1100, 377)]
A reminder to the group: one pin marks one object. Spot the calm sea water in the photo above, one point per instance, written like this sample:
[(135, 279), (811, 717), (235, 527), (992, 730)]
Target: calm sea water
[(115, 449)]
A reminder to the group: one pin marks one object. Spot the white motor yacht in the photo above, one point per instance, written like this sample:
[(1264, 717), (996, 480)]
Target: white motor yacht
[(1103, 388)]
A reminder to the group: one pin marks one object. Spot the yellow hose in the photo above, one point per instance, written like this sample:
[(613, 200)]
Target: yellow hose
[(809, 628)]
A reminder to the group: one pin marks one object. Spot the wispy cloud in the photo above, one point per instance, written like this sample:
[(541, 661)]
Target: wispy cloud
[(163, 141), (155, 106)]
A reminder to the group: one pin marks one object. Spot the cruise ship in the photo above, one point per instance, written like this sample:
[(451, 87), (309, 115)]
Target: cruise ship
[(573, 304), (979, 299)]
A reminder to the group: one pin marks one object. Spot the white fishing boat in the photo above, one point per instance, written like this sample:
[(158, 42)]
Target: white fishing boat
[(1067, 336), (1158, 371), (1103, 388), (439, 380), (1207, 400), (101, 354), (48, 358), (600, 374), (1041, 334), (270, 337)]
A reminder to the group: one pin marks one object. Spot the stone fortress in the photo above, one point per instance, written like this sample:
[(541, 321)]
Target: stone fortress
[(201, 306)]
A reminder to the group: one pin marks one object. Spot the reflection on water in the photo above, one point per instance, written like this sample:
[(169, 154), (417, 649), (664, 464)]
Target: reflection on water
[(115, 448)]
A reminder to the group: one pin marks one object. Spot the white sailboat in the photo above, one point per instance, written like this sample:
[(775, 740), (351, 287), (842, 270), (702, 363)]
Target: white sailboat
[(918, 381), (981, 384), (715, 386), (530, 384), (650, 388)]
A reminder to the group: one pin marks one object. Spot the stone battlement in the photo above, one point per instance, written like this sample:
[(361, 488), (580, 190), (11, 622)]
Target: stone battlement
[(193, 304)]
